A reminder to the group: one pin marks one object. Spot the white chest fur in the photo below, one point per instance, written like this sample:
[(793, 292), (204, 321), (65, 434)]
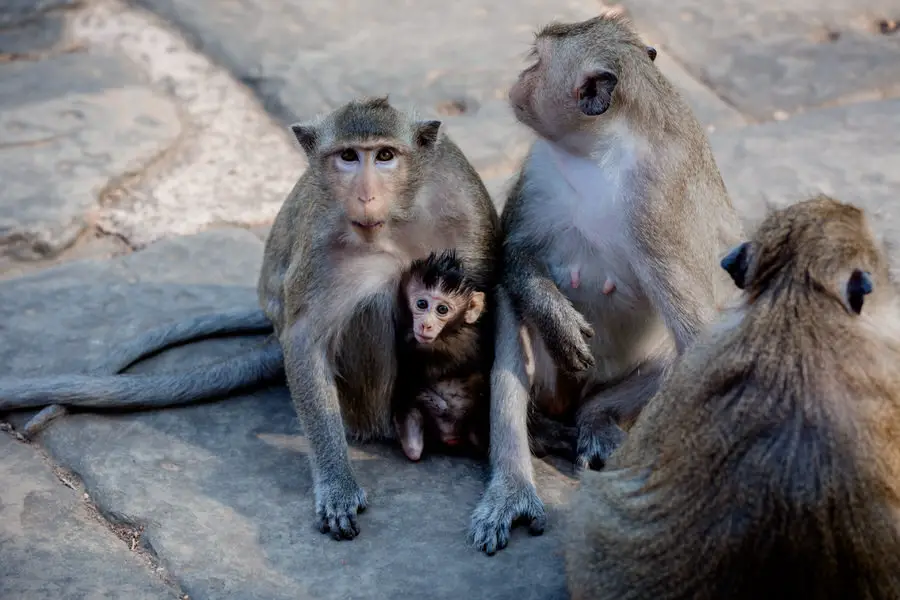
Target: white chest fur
[(578, 209)]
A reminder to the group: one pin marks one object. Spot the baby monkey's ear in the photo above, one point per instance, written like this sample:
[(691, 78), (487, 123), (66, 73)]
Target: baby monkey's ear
[(475, 307)]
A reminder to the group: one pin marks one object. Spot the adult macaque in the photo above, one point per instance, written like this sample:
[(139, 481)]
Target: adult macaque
[(767, 466), (613, 234), (381, 190)]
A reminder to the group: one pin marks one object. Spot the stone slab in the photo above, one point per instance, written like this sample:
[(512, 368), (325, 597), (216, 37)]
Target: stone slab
[(38, 35), (223, 490), (17, 12), (452, 61), (849, 152), (69, 126), (768, 56), (52, 547)]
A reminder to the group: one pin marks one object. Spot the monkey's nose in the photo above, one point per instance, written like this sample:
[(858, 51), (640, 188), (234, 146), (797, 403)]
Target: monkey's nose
[(365, 200)]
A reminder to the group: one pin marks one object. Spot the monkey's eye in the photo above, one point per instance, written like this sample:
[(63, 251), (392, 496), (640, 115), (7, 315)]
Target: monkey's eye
[(349, 155), (443, 309), (421, 304), (385, 155)]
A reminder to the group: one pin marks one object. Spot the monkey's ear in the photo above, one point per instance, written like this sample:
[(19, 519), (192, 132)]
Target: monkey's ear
[(736, 263), (307, 136), (651, 52), (427, 133), (411, 432), (595, 92), (475, 308), (859, 285)]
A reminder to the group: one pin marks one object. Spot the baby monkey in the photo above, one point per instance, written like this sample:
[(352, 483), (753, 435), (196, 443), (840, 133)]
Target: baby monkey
[(444, 356)]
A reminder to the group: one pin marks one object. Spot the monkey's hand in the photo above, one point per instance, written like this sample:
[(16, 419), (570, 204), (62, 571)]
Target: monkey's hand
[(566, 333), (504, 502), (337, 503)]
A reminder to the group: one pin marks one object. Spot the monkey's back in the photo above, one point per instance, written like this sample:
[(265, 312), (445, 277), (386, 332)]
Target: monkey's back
[(749, 476)]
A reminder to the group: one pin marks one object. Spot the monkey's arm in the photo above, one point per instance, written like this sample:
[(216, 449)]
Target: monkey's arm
[(537, 299), (313, 390), (676, 273)]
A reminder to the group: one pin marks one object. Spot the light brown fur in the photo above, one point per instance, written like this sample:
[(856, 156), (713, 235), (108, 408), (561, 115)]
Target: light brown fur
[(768, 464)]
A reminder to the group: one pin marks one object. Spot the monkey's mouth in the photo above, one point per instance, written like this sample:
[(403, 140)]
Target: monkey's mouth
[(373, 226), (423, 339), (451, 440)]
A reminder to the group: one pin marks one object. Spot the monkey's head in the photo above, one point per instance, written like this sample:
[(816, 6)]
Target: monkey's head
[(819, 244), (440, 296), (577, 74), (369, 158)]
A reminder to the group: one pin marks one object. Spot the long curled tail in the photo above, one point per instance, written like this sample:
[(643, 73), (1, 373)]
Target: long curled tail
[(146, 391)]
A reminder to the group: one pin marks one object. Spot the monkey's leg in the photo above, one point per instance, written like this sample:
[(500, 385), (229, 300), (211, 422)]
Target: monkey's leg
[(599, 417), (511, 494), (312, 385), (243, 321)]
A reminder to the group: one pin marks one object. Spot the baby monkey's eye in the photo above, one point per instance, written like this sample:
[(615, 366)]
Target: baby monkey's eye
[(349, 155), (384, 155), (421, 304), (442, 309)]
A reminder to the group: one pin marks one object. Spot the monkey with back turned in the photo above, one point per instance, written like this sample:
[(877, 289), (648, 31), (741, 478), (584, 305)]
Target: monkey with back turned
[(767, 466)]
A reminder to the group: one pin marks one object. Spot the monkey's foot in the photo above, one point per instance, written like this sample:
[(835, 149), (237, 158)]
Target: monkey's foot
[(337, 505), (504, 503), (596, 444)]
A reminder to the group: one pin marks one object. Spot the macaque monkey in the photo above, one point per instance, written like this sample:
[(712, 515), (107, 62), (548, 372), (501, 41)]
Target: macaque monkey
[(382, 189), (444, 358), (768, 464), (613, 233)]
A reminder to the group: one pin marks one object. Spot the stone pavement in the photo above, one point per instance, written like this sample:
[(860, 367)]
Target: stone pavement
[(143, 151)]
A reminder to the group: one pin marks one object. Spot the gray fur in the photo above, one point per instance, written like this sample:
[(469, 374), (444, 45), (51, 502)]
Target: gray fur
[(133, 392), (241, 321)]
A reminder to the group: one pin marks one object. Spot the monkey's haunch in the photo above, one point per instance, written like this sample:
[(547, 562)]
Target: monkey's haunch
[(145, 391)]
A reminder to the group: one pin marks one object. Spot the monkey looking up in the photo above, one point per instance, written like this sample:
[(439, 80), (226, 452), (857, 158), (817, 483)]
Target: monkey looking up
[(613, 230), (767, 466), (444, 356)]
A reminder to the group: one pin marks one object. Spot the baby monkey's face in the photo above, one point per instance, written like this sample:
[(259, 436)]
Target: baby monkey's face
[(432, 310)]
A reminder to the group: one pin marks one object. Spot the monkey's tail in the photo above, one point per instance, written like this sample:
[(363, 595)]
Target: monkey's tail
[(244, 321), (146, 391)]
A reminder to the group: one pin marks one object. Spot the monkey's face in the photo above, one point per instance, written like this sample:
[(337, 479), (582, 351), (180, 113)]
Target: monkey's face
[(431, 310), (369, 181), (562, 93)]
